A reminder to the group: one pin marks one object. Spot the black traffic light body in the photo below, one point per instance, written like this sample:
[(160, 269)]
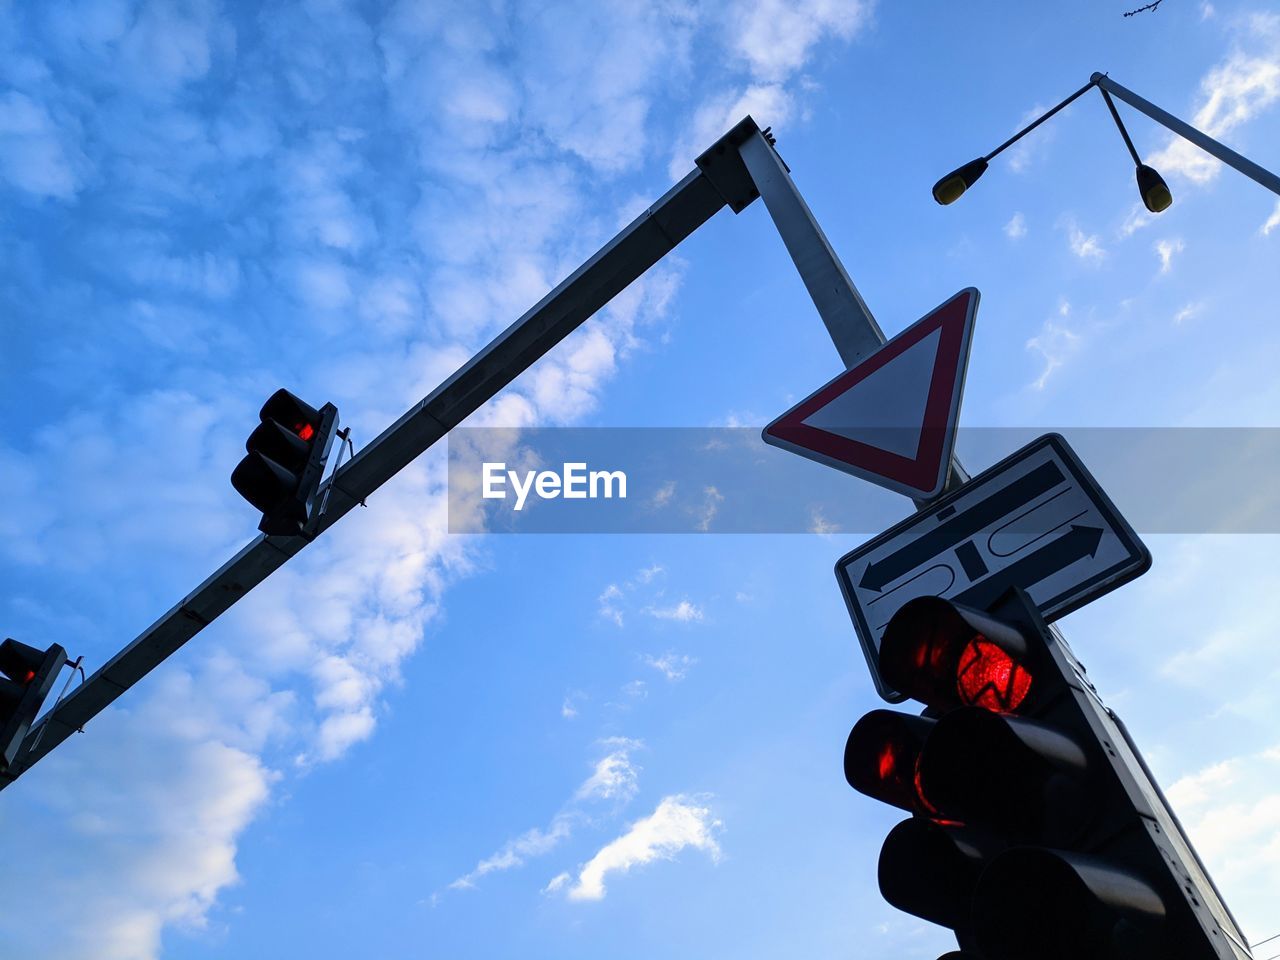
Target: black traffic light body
[(285, 462), (1037, 830), (26, 677)]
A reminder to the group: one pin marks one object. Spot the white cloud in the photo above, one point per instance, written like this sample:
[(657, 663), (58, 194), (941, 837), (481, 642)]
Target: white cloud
[(608, 608), (151, 808), (1139, 216), (36, 154), (677, 823), (318, 204), (323, 285), (1022, 153), (1016, 228), (769, 104), (1231, 811), (1273, 221), (712, 498), (684, 612), (776, 37), (1056, 343), (606, 120), (664, 494), (642, 593), (1233, 93), (1187, 312), (1083, 245), (1165, 249), (647, 574), (533, 843), (819, 524), (673, 666), (558, 882), (614, 778), (569, 706)]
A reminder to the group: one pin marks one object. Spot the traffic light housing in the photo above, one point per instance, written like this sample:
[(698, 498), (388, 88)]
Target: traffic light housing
[(1036, 830), (285, 461), (26, 677)]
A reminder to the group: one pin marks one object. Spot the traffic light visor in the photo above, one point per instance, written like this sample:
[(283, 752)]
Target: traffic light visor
[(947, 656), (929, 870), (280, 444), (1038, 904), (1006, 773), (293, 414), (20, 662), (263, 482), (881, 758)]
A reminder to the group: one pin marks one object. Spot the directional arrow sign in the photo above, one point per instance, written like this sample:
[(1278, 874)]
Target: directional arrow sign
[(892, 418), (1036, 520)]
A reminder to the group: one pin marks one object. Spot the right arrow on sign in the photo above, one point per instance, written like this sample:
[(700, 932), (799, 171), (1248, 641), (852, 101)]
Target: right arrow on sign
[(1076, 544), (1040, 480)]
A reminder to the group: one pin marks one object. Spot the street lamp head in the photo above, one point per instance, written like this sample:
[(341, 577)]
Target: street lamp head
[(1155, 192), (949, 188)]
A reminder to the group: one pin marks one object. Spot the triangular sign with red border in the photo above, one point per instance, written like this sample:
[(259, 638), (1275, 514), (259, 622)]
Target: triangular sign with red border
[(892, 418)]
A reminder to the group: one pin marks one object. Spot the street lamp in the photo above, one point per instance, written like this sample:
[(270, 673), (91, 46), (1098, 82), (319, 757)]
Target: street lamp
[(1154, 191), (951, 187)]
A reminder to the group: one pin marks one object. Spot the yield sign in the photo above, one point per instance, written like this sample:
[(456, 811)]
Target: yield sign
[(892, 418)]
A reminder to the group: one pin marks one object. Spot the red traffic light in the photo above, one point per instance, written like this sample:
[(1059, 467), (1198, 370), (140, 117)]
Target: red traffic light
[(945, 656), (882, 758), (1036, 835), (26, 676), (285, 461)]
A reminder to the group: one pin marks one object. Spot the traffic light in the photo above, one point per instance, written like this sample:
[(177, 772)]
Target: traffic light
[(285, 462), (26, 676), (1036, 830)]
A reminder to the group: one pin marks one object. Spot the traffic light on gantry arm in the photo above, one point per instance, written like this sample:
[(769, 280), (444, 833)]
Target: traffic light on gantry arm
[(285, 461), (1036, 830), (26, 677)]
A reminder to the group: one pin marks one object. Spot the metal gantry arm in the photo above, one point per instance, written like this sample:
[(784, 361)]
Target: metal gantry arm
[(721, 179)]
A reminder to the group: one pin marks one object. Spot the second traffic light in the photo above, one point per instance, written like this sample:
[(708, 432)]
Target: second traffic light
[(26, 677), (285, 461), (1036, 829)]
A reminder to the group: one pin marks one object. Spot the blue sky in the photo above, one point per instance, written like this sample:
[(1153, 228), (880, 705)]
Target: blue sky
[(407, 744)]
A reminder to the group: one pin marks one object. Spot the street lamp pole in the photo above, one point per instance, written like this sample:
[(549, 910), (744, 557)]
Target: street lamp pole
[(1186, 131), (1155, 194)]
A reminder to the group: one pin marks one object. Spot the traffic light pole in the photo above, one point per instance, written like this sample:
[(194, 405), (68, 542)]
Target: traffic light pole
[(738, 168)]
